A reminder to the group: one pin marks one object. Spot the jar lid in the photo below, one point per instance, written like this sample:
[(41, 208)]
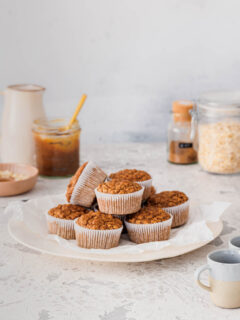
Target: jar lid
[(182, 106), (223, 102), (54, 126), (181, 110)]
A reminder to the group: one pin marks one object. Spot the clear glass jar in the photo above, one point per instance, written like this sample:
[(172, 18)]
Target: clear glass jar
[(219, 132), (56, 149), (182, 146)]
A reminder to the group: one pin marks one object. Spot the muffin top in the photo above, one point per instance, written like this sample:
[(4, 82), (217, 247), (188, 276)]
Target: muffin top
[(167, 199), (131, 175), (73, 181), (149, 215), (99, 221), (67, 211), (118, 187)]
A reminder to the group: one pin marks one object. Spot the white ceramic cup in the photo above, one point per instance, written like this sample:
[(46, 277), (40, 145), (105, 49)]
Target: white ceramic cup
[(234, 243), (224, 277)]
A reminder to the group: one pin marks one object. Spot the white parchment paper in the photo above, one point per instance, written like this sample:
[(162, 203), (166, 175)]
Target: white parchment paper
[(32, 216)]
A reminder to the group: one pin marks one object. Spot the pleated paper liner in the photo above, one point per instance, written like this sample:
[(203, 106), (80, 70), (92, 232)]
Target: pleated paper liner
[(119, 204), (180, 214), (83, 192), (142, 233), (62, 227), (147, 184), (97, 239)]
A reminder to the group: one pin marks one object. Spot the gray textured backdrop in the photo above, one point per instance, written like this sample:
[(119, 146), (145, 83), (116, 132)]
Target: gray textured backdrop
[(132, 57)]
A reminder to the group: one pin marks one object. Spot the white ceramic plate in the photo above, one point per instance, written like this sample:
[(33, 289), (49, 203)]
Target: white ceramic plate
[(23, 235)]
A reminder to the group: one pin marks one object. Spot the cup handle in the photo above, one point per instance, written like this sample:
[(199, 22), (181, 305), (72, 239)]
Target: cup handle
[(198, 274)]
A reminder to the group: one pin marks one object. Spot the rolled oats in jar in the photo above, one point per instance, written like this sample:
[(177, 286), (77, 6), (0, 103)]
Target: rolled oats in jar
[(219, 132)]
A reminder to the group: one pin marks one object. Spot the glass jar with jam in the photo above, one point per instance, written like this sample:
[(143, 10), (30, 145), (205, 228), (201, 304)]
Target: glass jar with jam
[(56, 147), (182, 138)]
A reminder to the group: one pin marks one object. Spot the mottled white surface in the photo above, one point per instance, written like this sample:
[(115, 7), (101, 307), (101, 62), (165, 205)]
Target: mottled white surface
[(43, 287)]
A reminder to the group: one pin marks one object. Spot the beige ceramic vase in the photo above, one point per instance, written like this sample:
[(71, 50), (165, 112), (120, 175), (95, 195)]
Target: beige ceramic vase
[(22, 105)]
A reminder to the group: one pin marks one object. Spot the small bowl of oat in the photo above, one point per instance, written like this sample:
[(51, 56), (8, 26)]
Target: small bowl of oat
[(16, 178)]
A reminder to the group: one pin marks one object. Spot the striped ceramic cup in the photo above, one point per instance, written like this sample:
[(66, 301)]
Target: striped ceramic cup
[(234, 243), (224, 277)]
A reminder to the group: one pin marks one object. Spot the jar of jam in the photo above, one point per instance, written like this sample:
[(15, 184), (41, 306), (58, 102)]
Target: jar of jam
[(56, 148)]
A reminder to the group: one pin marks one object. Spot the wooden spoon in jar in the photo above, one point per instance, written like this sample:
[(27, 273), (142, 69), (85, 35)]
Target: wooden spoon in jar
[(76, 112)]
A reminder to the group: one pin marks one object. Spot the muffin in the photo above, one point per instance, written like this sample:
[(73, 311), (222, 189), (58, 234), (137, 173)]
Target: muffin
[(174, 202), (119, 197), (149, 224), (122, 217), (98, 230), (60, 220), (153, 190), (139, 176), (81, 187)]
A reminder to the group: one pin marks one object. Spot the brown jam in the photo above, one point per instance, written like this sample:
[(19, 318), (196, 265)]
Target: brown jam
[(57, 153), (57, 156)]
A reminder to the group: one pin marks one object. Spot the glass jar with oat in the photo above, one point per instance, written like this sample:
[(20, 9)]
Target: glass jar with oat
[(56, 147), (219, 132)]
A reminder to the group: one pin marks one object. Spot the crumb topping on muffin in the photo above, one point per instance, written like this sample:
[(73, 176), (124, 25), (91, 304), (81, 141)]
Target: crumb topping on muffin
[(99, 221), (131, 175), (149, 215), (118, 187), (167, 199), (73, 181), (153, 190), (67, 211)]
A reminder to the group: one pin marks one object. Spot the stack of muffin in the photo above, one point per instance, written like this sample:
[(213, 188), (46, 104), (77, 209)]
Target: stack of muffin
[(124, 199)]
